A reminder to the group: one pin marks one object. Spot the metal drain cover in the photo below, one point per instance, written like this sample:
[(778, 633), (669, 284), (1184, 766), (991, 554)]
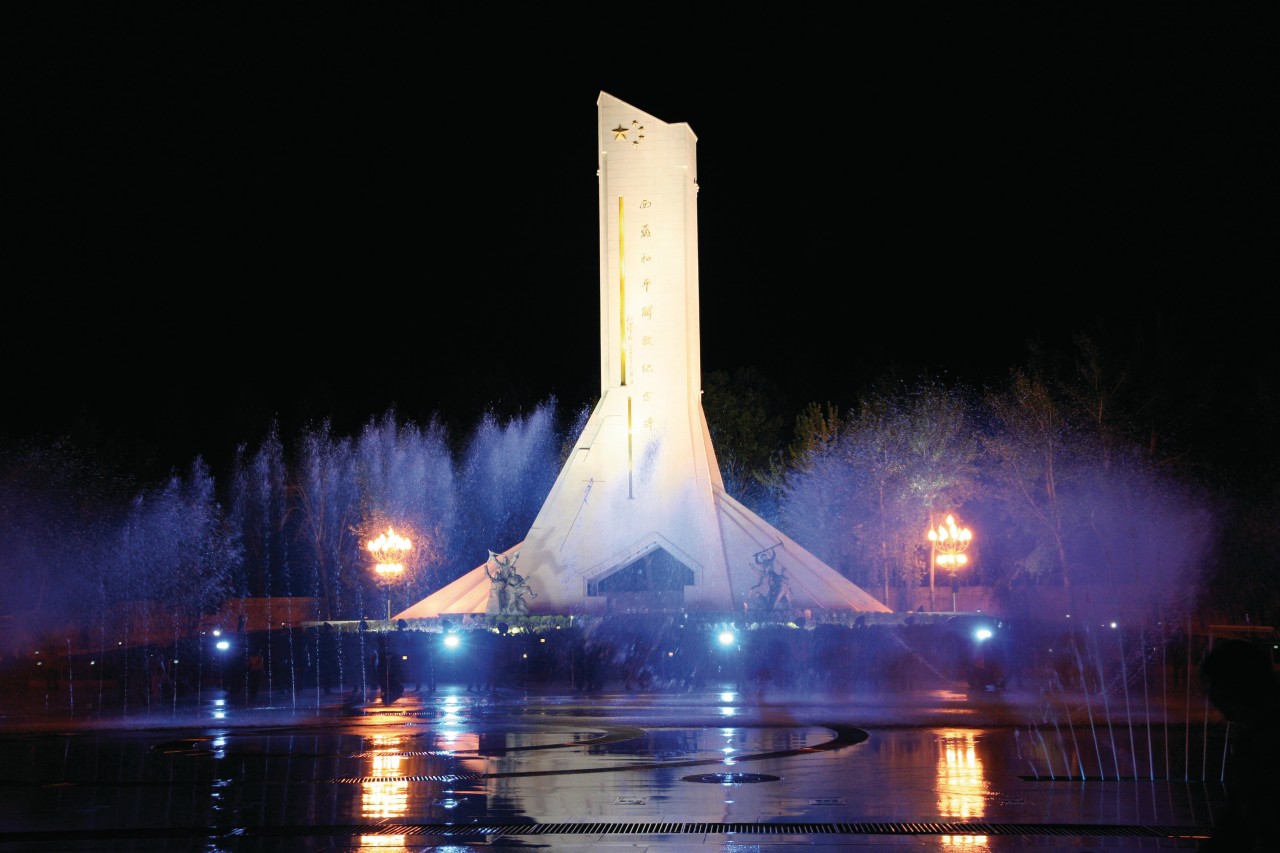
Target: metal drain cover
[(731, 778)]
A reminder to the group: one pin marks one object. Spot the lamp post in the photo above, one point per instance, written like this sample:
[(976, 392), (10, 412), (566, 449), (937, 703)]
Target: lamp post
[(389, 550), (947, 545)]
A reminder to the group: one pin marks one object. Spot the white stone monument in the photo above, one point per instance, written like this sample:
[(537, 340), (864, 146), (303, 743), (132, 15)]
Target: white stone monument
[(638, 519)]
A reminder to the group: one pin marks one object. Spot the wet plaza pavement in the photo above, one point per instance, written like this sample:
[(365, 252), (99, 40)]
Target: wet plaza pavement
[(615, 770)]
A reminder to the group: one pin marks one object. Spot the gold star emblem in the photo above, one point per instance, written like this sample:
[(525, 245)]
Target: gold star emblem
[(620, 133)]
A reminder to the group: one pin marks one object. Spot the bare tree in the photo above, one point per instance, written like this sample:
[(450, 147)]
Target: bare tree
[(922, 443), (1028, 453), (866, 497)]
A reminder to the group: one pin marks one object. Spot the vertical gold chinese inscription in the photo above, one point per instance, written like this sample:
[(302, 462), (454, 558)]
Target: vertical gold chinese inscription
[(622, 287), (622, 334)]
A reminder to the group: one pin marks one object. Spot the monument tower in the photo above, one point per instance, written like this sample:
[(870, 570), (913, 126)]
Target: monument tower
[(638, 519)]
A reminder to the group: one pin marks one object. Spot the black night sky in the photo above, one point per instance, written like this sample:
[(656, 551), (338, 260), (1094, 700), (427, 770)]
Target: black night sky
[(217, 218)]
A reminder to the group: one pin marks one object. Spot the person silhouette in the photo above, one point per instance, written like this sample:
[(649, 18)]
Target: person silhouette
[(1241, 683), (256, 670)]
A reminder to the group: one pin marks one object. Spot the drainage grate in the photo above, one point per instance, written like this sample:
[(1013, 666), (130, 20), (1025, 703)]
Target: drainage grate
[(226, 837), (1034, 778)]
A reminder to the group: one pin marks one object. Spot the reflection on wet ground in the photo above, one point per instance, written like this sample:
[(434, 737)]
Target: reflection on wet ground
[(566, 771)]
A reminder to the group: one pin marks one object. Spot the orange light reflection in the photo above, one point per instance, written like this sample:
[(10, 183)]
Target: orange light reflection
[(383, 798), (964, 840), (962, 788)]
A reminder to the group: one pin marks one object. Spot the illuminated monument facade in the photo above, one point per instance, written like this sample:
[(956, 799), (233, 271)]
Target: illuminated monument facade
[(638, 519)]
